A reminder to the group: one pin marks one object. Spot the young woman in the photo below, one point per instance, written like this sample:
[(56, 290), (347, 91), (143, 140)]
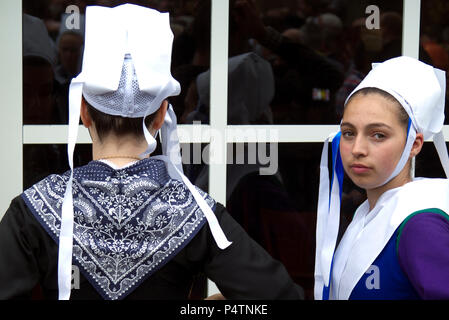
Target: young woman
[(133, 226), (397, 245)]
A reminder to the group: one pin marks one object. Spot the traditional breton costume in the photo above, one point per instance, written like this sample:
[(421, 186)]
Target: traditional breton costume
[(140, 231), (399, 249)]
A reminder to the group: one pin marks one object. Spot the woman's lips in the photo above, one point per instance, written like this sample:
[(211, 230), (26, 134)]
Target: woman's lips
[(359, 168)]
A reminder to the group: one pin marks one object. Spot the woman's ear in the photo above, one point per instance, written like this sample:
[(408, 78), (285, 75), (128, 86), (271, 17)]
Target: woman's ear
[(85, 116), (417, 145), (160, 116)]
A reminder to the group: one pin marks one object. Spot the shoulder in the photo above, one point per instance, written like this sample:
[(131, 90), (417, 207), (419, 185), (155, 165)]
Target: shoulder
[(422, 251), (18, 219), (422, 230), (429, 187), (16, 207), (423, 221), (53, 185)]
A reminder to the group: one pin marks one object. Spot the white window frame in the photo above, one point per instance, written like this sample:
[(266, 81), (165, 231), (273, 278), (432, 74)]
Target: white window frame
[(11, 138), (14, 134)]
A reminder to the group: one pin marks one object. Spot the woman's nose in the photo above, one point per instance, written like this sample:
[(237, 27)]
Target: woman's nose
[(359, 147)]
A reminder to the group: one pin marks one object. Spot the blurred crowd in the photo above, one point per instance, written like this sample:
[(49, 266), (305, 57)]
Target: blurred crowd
[(318, 51)]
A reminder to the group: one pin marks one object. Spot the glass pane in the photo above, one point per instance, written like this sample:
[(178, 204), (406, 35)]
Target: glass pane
[(52, 55), (434, 42), (53, 44), (41, 160), (195, 159), (302, 58), (277, 209), (428, 163), (191, 25)]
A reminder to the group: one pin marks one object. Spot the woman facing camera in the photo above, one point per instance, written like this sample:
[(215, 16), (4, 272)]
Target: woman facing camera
[(396, 246)]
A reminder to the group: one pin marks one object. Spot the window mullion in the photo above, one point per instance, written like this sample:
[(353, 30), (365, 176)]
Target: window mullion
[(11, 175)]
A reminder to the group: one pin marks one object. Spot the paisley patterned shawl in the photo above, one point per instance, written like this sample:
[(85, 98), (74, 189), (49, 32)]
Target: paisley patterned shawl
[(127, 223)]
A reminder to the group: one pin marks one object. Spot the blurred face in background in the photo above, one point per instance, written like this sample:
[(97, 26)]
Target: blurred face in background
[(38, 100), (70, 50)]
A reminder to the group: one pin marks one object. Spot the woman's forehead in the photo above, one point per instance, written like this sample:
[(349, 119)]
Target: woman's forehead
[(371, 108)]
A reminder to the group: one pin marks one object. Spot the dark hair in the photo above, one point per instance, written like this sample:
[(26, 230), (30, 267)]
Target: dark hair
[(106, 123), (402, 114)]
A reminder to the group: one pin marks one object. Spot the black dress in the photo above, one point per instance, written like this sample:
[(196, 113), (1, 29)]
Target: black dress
[(29, 249)]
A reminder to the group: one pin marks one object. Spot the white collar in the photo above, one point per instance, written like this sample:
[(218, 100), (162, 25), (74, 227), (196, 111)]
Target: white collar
[(116, 167)]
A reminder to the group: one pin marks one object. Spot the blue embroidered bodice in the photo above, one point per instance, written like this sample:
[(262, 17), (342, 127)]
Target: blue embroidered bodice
[(127, 222)]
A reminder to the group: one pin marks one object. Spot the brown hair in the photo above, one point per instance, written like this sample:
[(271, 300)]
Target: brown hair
[(106, 123), (402, 114)]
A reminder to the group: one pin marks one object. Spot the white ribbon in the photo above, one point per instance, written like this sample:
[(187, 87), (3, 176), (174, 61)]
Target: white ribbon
[(217, 232), (172, 157), (440, 145), (328, 217), (411, 137), (66, 233), (170, 139)]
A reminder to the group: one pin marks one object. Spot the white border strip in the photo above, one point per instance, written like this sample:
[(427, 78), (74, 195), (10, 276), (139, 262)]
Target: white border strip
[(411, 22), (410, 28), (57, 134), (11, 173), (49, 134), (279, 133), (218, 101), (52, 134), (218, 95)]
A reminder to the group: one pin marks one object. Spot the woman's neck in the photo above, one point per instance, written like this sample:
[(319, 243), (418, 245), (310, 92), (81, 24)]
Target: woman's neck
[(374, 194), (119, 150)]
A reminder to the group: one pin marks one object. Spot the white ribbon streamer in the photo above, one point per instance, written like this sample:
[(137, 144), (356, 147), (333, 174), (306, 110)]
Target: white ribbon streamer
[(440, 145), (327, 221), (66, 233), (170, 139), (217, 232), (323, 207)]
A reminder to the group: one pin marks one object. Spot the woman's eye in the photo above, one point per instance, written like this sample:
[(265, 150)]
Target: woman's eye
[(379, 136), (347, 134)]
